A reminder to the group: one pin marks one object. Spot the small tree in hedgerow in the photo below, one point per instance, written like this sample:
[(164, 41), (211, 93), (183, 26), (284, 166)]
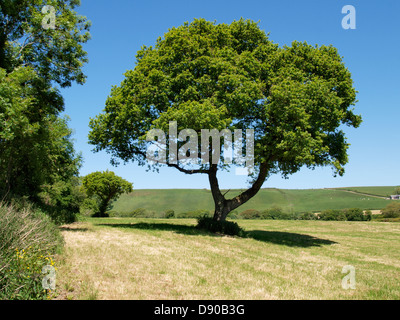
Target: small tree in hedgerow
[(107, 187), (204, 75)]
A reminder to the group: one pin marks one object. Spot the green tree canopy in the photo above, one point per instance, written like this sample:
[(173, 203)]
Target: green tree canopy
[(206, 75), (55, 54), (36, 149), (106, 186), (36, 145), (392, 210)]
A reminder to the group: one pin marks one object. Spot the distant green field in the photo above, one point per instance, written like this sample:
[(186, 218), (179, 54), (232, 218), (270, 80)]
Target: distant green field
[(379, 191), (183, 200)]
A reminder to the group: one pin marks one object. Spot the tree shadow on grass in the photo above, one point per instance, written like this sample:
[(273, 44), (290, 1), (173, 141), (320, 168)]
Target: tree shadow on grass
[(73, 229), (275, 237), (177, 228), (288, 238)]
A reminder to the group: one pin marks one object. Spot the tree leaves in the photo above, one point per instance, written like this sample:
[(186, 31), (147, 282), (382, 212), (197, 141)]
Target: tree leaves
[(55, 54), (206, 75), (106, 186), (35, 143)]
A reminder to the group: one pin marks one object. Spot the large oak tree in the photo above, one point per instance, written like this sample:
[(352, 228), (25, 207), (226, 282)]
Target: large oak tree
[(205, 75)]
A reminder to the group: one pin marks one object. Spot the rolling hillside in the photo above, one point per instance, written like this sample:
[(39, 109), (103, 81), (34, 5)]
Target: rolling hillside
[(296, 200), (377, 191)]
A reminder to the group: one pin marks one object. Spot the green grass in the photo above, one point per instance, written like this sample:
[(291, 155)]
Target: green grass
[(378, 191), (128, 258), (183, 200)]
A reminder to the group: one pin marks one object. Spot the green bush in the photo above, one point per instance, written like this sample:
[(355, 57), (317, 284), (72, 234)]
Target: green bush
[(332, 215), (62, 200), (367, 215), (137, 213), (225, 227), (142, 213), (250, 214), (307, 216), (275, 213), (28, 239), (392, 210), (354, 214), (194, 214), (89, 207), (62, 215), (169, 214)]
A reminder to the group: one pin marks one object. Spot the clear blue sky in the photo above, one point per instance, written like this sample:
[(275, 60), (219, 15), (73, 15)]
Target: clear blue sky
[(371, 52)]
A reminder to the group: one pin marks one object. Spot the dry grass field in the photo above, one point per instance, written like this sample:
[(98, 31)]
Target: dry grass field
[(115, 258)]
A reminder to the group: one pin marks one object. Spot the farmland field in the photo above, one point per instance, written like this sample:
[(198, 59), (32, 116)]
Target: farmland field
[(378, 191), (182, 200), (128, 258)]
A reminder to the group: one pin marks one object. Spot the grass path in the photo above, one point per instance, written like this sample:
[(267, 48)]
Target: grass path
[(170, 259)]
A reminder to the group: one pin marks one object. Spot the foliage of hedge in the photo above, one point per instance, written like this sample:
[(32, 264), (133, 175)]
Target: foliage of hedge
[(275, 213), (144, 213), (392, 210), (354, 214), (194, 214)]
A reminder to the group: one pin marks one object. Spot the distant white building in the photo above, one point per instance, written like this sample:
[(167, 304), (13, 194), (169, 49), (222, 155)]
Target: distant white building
[(395, 197)]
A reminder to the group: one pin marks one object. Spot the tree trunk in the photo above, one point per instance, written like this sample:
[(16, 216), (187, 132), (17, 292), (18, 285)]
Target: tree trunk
[(103, 207), (4, 64), (220, 211), (224, 206)]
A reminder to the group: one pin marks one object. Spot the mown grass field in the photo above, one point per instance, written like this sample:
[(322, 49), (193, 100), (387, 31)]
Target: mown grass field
[(128, 258), (309, 200)]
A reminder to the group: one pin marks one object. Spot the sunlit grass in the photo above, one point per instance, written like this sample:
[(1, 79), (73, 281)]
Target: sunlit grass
[(171, 259)]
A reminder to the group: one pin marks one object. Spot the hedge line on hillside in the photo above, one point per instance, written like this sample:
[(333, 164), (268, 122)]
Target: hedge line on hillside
[(354, 214)]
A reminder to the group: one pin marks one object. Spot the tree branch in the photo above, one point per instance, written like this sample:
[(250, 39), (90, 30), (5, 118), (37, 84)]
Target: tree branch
[(214, 185), (252, 191), (176, 166), (193, 171)]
